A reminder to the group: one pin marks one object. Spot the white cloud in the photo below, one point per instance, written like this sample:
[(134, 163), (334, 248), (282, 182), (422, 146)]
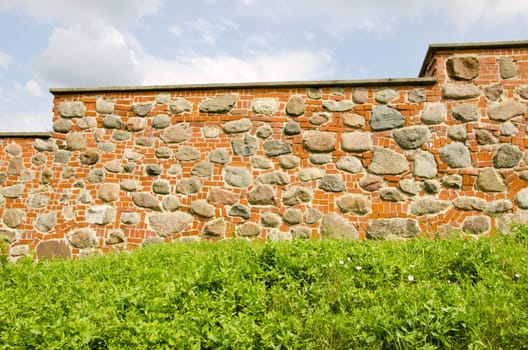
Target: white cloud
[(5, 59), (175, 30), (33, 87)]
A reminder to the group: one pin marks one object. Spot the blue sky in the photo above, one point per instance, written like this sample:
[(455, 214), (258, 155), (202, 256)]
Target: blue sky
[(82, 43)]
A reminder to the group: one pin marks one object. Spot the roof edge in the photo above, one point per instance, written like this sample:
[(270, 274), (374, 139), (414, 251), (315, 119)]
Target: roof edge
[(468, 46), (29, 134), (276, 84)]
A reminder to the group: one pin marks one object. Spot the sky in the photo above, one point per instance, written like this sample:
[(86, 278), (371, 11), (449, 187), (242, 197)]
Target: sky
[(90, 43)]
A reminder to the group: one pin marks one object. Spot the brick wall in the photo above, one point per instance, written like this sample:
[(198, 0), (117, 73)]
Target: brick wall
[(388, 158)]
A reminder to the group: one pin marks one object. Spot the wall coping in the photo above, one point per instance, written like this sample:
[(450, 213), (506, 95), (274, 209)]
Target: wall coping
[(30, 134), (274, 84), (433, 48)]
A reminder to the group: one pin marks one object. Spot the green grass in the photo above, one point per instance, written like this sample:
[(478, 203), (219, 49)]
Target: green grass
[(428, 294)]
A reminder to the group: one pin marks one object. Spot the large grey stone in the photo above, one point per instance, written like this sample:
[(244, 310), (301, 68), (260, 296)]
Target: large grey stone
[(53, 249), (219, 156), (153, 169), (428, 206), (319, 141), (176, 134), (470, 203), (161, 187), (122, 135), (146, 200), (485, 137), (275, 148), (101, 214), (187, 154), (386, 118), (49, 146), (508, 68), (202, 169), (289, 162), (522, 198), (391, 194), (171, 203), (219, 104), (387, 162), (38, 200), (261, 195), (417, 95), (460, 91), (135, 124), (89, 157), (332, 183), (338, 106), (37, 160), (215, 228), (295, 106), (507, 156), (499, 206), (264, 131), (63, 125), (13, 191), (244, 147), (112, 122), (309, 174), (508, 129), (353, 120), (71, 109), (433, 113), (466, 112), (386, 95), (356, 142), (292, 128), (130, 218), (320, 158), (409, 186), (462, 67), (103, 106), (95, 176), (237, 177), (108, 192), (320, 118), (523, 92), (360, 95), (456, 155), (292, 216), (312, 215), (274, 178), (241, 211), (115, 237), (261, 162), (506, 110), (161, 121), (432, 186), (166, 224), (107, 147), (424, 165), (82, 238), (202, 208), (489, 180), (87, 123), (297, 195), (493, 92), (457, 132), (163, 153), (395, 228), (335, 226), (248, 229), (238, 126), (354, 203), (129, 185), (141, 109), (477, 225), (180, 105), (314, 93), (265, 106), (371, 182), (13, 217), (270, 220), (412, 137), (211, 132), (188, 186), (349, 164)]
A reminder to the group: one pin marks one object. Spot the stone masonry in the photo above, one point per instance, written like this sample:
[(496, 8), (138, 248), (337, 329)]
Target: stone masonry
[(379, 159)]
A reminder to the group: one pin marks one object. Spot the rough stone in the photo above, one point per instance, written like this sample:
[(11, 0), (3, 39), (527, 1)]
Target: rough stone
[(391, 194), (112, 122), (188, 186), (220, 196), (244, 147), (503, 222), (523, 92), (356, 142), (485, 137), (202, 169), (312, 215), (82, 238), (107, 147), (433, 113), (113, 166), (297, 195), (175, 169), (237, 177), (248, 229), (176, 134), (49, 146), (309, 174), (130, 218), (103, 106), (161, 187), (493, 92), (417, 95), (489, 180), (387, 162), (386, 118), (320, 118), (386, 95), (456, 155), (470, 203), (87, 123), (54, 249), (507, 156), (39, 159), (101, 214), (393, 229), (349, 164), (319, 159), (46, 222), (371, 182), (338, 106), (84, 198), (38, 200), (19, 250), (202, 208), (508, 129), (412, 137), (360, 95), (63, 126), (219, 104), (319, 141), (506, 110), (432, 186), (170, 203), (108, 192), (135, 124), (241, 211), (522, 198), (260, 162), (477, 225), (314, 93), (149, 241), (275, 148), (335, 226), (238, 126), (292, 128), (211, 132), (457, 132), (354, 203), (146, 200), (424, 165), (71, 109), (129, 185), (353, 120), (215, 228), (180, 105), (332, 183), (270, 220), (163, 153), (166, 224), (274, 178), (161, 121), (265, 106), (187, 154), (428, 206), (141, 109), (264, 131), (153, 169), (13, 191), (219, 156), (466, 112), (289, 162), (508, 68), (144, 141), (292, 216), (460, 91), (337, 91), (13, 217), (261, 195), (295, 106), (499, 206), (115, 237), (121, 135), (409, 186), (89, 156), (46, 176), (462, 67), (95, 176)]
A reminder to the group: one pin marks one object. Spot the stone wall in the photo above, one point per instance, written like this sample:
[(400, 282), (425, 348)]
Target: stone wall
[(376, 159)]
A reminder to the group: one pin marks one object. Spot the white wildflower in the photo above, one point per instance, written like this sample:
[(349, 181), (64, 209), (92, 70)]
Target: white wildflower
[(358, 268), (410, 278)]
